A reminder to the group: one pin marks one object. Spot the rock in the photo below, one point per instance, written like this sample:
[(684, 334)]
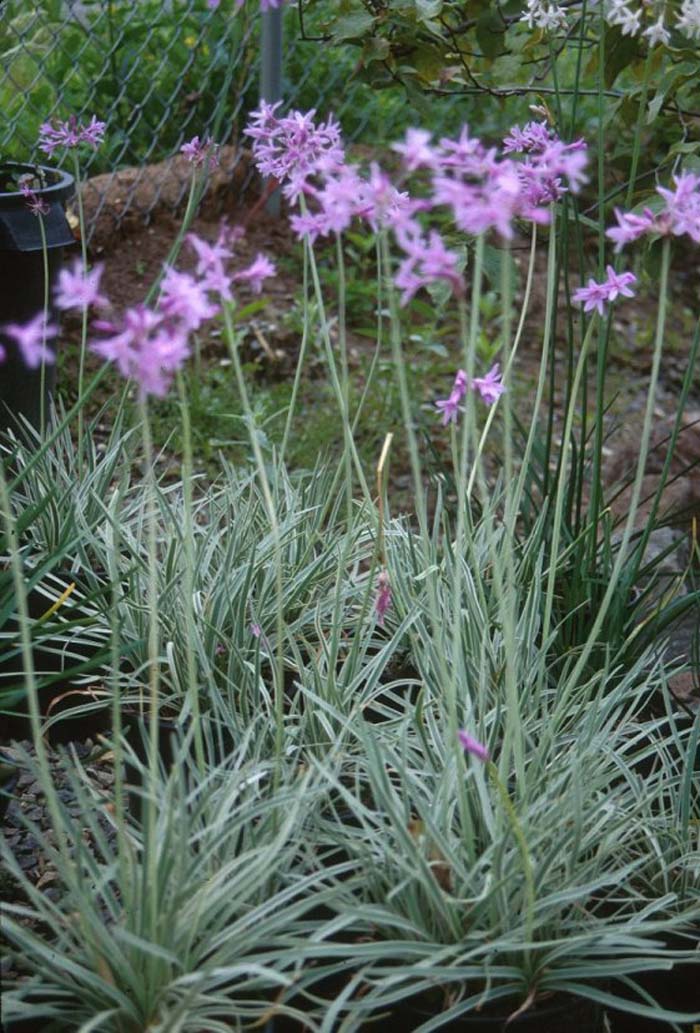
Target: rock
[(685, 688), (121, 201), (680, 500)]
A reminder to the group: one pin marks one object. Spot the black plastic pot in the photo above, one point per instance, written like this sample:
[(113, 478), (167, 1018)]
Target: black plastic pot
[(22, 279)]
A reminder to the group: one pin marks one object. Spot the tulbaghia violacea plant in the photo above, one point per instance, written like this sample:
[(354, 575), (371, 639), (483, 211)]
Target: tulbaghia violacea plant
[(480, 887), (185, 928)]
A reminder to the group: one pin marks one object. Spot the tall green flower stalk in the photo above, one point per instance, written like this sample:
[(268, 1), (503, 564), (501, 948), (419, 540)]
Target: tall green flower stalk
[(84, 317), (188, 573), (45, 266), (153, 641), (622, 553), (340, 384), (233, 342)]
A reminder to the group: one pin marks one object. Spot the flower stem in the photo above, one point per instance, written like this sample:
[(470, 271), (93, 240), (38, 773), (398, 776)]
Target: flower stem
[(188, 534), (42, 385), (278, 666), (520, 839), (83, 328)]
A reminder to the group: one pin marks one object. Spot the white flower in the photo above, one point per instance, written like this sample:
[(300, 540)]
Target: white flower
[(617, 11), (688, 20), (657, 33), (544, 16), (630, 22)]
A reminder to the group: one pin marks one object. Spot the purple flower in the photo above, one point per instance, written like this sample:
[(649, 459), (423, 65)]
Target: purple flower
[(70, 134), (449, 407), (630, 227), (256, 273), (490, 387), (341, 198), (147, 347), (383, 205), (185, 299), (427, 262), (255, 629), (466, 154), (293, 149), (473, 746), (596, 295), (682, 211), (309, 224), (548, 162), (79, 289), (680, 214), (31, 338), (198, 152), (383, 600), (36, 205), (2, 353), (210, 256), (416, 150), (534, 136)]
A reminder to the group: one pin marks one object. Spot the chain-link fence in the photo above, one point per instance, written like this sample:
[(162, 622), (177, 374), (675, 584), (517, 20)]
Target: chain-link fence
[(159, 72)]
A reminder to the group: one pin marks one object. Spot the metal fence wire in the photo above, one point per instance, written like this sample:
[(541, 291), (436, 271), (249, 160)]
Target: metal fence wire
[(159, 72)]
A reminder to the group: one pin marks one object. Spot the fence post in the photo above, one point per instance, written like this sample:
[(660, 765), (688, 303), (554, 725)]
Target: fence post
[(271, 75)]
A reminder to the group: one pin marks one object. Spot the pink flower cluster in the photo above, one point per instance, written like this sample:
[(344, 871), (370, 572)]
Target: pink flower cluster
[(70, 134), (481, 189), (150, 345), (30, 340), (147, 344), (679, 215), (200, 151), (490, 387), (383, 600), (597, 295), (293, 149), (547, 162), (36, 205)]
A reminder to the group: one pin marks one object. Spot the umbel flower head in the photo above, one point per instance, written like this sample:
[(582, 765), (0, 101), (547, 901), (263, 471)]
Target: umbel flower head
[(200, 152), (36, 205), (679, 215), (71, 134), (151, 344), (147, 344), (597, 295), (490, 387), (30, 339)]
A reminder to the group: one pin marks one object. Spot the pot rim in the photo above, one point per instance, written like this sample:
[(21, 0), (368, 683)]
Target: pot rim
[(60, 185)]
